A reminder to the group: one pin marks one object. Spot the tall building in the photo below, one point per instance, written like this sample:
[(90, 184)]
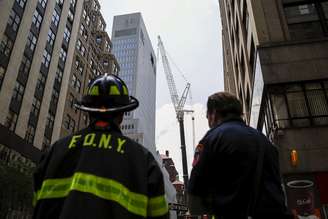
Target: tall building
[(276, 61), (133, 49), (92, 57), (49, 50)]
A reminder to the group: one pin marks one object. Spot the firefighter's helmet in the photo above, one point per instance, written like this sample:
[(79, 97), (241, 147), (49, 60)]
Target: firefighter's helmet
[(107, 94)]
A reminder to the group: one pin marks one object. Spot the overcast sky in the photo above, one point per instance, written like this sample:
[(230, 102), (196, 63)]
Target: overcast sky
[(191, 33)]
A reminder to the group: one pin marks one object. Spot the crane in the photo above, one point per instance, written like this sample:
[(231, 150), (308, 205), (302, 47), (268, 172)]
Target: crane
[(178, 104)]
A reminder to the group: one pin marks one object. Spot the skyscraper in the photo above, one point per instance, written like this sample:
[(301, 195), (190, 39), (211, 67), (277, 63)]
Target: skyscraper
[(276, 61), (133, 49)]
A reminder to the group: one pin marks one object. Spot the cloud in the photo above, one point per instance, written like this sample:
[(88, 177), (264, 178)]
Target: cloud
[(191, 33), (168, 133)]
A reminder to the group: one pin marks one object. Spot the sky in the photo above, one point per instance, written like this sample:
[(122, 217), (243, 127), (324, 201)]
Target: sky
[(191, 34)]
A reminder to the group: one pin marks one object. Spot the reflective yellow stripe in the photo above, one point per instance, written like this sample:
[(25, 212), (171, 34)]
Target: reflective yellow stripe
[(114, 90), (94, 91), (101, 187), (157, 206)]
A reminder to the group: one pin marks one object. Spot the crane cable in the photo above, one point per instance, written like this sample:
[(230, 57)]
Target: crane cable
[(190, 94), (190, 98)]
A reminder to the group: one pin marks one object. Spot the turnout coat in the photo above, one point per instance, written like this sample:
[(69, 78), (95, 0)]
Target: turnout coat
[(99, 173)]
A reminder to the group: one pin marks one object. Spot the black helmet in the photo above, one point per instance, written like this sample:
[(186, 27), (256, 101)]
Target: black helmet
[(106, 94)]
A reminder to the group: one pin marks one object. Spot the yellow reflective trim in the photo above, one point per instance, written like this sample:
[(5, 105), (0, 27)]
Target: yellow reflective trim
[(101, 187), (94, 91), (125, 90), (114, 90), (157, 206)]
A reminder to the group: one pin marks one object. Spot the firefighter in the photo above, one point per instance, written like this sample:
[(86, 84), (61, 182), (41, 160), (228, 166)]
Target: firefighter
[(97, 172), (236, 172)]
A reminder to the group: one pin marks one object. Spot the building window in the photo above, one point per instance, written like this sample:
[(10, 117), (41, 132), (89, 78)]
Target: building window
[(82, 28), (21, 3), (37, 19), (18, 92), (85, 119), (31, 41), (43, 3), (60, 3), (82, 50), (11, 120), (63, 54), (80, 47), (67, 34), (84, 14), (69, 123), (30, 132), (54, 97), (40, 84), (36, 104), (83, 32), (45, 144), (73, 81), (98, 40), (246, 17), (70, 16), (46, 58), (318, 102), (2, 75), (299, 105), (50, 121), (325, 9), (5, 46), (25, 65), (14, 20), (79, 66), (51, 37), (59, 75), (55, 18), (305, 20), (87, 20), (252, 56), (71, 100), (107, 47), (76, 83), (78, 86), (73, 2)]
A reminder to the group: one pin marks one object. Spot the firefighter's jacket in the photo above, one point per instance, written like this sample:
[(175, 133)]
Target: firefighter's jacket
[(99, 173)]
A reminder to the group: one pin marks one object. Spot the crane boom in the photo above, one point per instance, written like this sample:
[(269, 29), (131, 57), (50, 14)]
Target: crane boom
[(169, 76), (178, 106)]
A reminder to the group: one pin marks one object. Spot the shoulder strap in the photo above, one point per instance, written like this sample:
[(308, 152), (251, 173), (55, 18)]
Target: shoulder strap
[(257, 181)]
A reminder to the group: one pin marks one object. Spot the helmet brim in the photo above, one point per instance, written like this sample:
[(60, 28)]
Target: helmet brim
[(134, 103)]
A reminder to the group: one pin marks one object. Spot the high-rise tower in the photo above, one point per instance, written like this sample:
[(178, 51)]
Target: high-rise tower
[(133, 49)]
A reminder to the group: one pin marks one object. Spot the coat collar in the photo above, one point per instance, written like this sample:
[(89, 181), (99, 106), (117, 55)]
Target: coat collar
[(105, 125)]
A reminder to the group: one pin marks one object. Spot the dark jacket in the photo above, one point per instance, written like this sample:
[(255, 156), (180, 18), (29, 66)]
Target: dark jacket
[(223, 178), (99, 173)]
